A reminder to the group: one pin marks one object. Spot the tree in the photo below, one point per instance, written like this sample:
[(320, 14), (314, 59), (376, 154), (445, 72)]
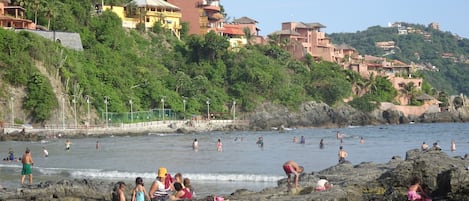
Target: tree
[(51, 10), (247, 34)]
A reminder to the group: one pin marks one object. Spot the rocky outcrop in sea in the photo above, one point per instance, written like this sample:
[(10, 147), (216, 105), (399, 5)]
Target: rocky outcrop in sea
[(447, 177), (313, 114)]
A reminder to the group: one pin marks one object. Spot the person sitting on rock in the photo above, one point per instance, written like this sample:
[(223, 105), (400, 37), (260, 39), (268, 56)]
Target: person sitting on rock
[(436, 146), (322, 184), (424, 146), (416, 192)]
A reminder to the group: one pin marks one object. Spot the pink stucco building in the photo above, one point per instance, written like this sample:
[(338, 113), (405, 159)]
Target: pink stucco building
[(14, 17), (307, 38), (203, 16)]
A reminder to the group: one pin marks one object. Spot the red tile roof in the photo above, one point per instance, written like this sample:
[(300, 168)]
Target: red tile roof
[(212, 8), (233, 30)]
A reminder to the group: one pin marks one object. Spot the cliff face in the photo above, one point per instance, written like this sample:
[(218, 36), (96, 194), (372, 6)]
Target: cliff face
[(312, 114)]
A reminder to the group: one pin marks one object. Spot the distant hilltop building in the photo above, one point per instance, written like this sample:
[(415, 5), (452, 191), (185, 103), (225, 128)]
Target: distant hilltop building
[(434, 25), (386, 45)]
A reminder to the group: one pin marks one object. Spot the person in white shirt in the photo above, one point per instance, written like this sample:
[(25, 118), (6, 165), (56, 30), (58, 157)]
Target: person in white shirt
[(323, 184)]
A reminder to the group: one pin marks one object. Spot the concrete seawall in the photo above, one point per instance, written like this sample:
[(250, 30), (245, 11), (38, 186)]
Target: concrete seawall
[(138, 128)]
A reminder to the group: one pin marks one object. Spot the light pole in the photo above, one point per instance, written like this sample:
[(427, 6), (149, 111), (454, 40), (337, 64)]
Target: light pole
[(208, 108), (106, 101), (88, 102), (184, 101), (63, 111), (162, 106), (234, 109), (131, 111), (12, 103), (75, 110)]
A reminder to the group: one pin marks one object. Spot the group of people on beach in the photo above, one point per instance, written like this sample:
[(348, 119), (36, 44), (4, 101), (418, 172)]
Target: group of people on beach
[(163, 188)]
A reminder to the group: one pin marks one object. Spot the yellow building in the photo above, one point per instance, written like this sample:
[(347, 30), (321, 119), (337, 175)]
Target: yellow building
[(149, 12)]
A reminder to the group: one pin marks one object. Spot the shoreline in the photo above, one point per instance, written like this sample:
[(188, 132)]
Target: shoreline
[(171, 126), (365, 181)]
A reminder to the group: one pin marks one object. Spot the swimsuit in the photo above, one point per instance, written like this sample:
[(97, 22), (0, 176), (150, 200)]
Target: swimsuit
[(187, 194), (140, 196), (27, 170), (161, 193), (289, 169), (412, 195)]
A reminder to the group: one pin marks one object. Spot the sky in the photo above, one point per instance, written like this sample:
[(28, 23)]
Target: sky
[(352, 15)]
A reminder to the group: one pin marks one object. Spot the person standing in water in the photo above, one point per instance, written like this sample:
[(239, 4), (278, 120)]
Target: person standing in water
[(195, 145), (342, 155), (28, 162), (97, 145), (219, 145), (321, 144), (302, 140), (68, 144), (453, 145), (46, 153)]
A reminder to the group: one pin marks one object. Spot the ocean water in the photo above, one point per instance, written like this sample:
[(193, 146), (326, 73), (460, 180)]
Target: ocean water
[(241, 164)]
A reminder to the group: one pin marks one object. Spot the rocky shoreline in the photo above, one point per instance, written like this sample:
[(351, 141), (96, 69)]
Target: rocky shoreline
[(266, 117), (448, 177)]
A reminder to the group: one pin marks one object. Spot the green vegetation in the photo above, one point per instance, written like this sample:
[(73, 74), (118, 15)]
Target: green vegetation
[(146, 66), (424, 48), (122, 65)]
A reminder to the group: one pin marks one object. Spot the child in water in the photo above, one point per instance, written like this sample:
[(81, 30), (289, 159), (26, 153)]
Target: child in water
[(139, 193)]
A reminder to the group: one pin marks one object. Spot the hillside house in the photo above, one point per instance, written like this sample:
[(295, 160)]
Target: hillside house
[(307, 38), (149, 12), (14, 17)]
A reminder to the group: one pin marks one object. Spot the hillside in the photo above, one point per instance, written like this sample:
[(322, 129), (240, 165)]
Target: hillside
[(122, 71), (428, 47)]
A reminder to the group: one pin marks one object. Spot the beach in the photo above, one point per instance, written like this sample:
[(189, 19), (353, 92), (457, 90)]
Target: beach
[(241, 165)]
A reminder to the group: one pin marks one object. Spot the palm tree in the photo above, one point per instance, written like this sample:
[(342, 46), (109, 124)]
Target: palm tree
[(371, 84), (247, 34), (408, 91), (51, 10)]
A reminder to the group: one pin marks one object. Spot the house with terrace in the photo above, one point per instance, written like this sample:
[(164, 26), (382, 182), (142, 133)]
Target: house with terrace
[(13, 17), (301, 39), (202, 16), (148, 13)]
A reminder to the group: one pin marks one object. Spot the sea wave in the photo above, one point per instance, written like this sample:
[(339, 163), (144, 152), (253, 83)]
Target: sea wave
[(165, 134), (115, 175)]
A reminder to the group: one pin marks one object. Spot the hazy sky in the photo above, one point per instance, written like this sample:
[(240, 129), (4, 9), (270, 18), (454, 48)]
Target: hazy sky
[(352, 15)]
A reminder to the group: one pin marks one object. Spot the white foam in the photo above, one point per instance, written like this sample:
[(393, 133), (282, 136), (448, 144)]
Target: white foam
[(111, 174)]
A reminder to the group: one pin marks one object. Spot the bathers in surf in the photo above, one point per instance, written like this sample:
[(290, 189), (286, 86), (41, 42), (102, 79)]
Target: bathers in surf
[(27, 170)]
